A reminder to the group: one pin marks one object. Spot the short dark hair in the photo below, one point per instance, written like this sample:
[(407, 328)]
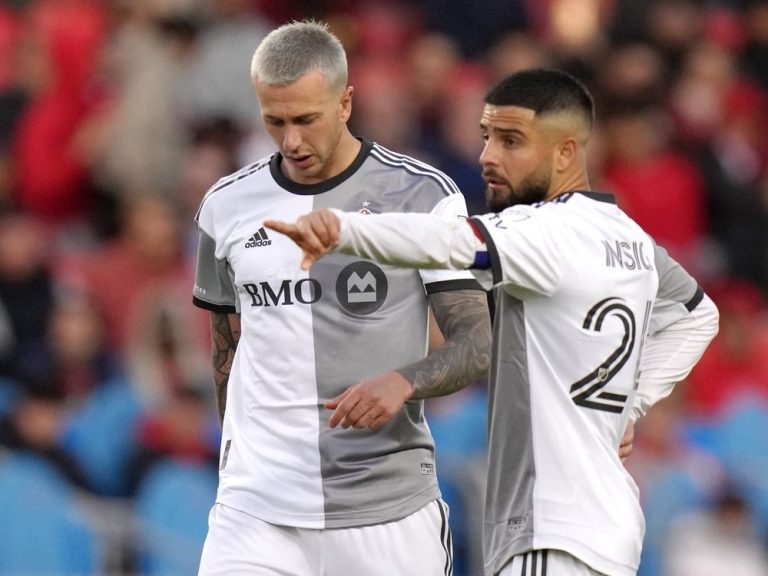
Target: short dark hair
[(543, 90)]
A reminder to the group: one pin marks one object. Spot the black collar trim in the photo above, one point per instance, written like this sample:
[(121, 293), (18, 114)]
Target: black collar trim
[(320, 187)]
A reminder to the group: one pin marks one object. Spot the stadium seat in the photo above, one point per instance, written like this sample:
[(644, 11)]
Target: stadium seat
[(673, 493), (459, 426), (43, 531), (100, 437), (8, 395), (740, 445), (172, 506)]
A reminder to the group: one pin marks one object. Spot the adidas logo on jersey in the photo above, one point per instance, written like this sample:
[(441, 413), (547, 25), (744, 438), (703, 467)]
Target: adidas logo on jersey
[(258, 239)]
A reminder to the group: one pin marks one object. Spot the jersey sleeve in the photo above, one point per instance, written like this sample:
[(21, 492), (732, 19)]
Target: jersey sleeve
[(452, 208), (683, 323), (214, 287), (522, 255)]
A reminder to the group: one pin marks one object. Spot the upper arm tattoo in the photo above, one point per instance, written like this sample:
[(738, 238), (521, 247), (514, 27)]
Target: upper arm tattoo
[(465, 355), (225, 334)]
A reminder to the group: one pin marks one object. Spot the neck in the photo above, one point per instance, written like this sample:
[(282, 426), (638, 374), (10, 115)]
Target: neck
[(579, 181), (349, 148)]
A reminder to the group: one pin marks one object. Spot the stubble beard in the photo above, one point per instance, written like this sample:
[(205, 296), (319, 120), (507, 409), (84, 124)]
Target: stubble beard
[(532, 190)]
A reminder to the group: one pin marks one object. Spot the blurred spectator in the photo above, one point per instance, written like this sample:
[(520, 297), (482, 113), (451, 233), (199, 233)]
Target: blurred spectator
[(516, 51), (657, 186), (673, 26), (137, 143), (384, 110), (733, 163), (213, 153), (754, 56), (573, 29), (632, 75), (432, 59), (216, 82), (457, 146), (736, 363), (673, 474), (165, 350), (146, 255), (9, 39), (35, 424), (79, 359), (716, 541), (96, 394), (61, 46), (26, 295), (169, 367), (184, 430), (707, 73), (12, 99), (475, 26), (385, 30)]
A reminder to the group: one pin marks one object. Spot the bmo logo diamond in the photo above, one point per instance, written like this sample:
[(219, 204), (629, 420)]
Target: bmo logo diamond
[(361, 288)]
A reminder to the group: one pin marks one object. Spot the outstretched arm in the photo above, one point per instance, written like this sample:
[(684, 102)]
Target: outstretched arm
[(399, 239), (225, 334)]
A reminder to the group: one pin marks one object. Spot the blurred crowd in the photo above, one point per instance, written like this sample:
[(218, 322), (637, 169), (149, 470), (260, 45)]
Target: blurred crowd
[(117, 115)]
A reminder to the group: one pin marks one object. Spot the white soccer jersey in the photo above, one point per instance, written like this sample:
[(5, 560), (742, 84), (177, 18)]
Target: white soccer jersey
[(579, 272), (577, 285), (308, 335)]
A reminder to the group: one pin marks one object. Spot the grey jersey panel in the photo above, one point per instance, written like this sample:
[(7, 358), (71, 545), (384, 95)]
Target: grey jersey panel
[(373, 321), (674, 282), (678, 292), (508, 526), (213, 273)]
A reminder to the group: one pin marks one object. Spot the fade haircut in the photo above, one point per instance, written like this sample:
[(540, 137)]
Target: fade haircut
[(292, 50), (544, 91)]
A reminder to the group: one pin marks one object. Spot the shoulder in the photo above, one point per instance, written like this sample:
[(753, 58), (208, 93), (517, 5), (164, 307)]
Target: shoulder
[(233, 181), (415, 169)]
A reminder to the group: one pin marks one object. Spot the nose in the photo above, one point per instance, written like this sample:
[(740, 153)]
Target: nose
[(291, 139), (488, 157)]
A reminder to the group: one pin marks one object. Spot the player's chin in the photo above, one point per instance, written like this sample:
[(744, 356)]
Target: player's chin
[(497, 197)]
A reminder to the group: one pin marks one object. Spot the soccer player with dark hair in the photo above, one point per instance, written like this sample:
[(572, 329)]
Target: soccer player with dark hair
[(593, 324), (327, 463)]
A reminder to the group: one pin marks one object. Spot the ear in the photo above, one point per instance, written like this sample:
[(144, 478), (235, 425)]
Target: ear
[(566, 153), (346, 103)]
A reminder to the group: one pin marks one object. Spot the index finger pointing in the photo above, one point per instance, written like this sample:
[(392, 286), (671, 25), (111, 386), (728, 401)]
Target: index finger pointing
[(280, 226)]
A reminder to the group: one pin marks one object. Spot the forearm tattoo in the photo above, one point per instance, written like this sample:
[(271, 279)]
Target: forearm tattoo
[(465, 355), (225, 333)]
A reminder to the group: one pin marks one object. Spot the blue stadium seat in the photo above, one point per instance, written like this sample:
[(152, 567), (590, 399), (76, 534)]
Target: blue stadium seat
[(8, 395), (740, 444), (100, 437), (673, 493), (172, 507), (460, 429), (43, 532)]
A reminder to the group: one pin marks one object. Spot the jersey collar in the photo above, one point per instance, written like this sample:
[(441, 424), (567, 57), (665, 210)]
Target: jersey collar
[(599, 196), (320, 187)]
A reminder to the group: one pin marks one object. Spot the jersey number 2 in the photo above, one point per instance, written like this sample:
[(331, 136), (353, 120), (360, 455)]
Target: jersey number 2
[(588, 392)]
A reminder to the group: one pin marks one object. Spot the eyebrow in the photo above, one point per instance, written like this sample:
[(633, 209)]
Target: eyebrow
[(502, 131), (307, 116)]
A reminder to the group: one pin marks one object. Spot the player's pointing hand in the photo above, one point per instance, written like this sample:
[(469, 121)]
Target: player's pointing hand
[(316, 233)]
